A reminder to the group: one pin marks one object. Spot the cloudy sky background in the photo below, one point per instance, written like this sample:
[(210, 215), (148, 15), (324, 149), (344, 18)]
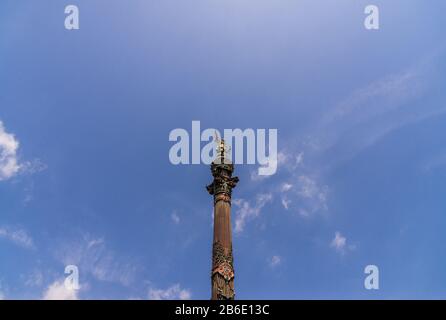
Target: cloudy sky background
[(85, 177)]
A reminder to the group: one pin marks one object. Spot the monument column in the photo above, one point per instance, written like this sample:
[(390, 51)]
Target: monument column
[(222, 276)]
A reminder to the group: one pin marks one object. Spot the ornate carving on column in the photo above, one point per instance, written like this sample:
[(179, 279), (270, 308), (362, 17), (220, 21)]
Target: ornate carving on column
[(222, 273)]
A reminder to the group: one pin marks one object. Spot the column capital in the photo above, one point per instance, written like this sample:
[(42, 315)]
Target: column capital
[(221, 187)]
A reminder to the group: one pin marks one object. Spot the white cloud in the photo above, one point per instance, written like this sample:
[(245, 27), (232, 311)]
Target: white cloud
[(257, 177), (378, 97), (247, 212), (174, 292), (275, 261), (359, 121), (282, 158), (35, 279), (285, 200), (9, 162), (17, 236), (305, 195), (286, 187), (339, 243), (309, 188), (32, 167), (9, 145), (312, 195), (286, 203), (92, 256), (175, 218), (374, 111), (58, 291), (302, 191), (299, 159), (290, 160)]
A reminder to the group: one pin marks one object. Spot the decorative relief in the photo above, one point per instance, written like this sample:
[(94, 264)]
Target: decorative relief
[(222, 197), (223, 272), (219, 256)]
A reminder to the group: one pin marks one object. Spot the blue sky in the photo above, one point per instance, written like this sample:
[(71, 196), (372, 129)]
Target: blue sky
[(85, 176)]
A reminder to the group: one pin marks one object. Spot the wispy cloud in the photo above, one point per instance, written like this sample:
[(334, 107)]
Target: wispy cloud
[(18, 236), (435, 162), (338, 242), (246, 211), (35, 279), (340, 245), (312, 195), (357, 122), (9, 146), (285, 202), (275, 261), (283, 158), (374, 111), (33, 166), (92, 256), (379, 97), (286, 187), (9, 162), (303, 194), (175, 218), (58, 291), (174, 292)]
